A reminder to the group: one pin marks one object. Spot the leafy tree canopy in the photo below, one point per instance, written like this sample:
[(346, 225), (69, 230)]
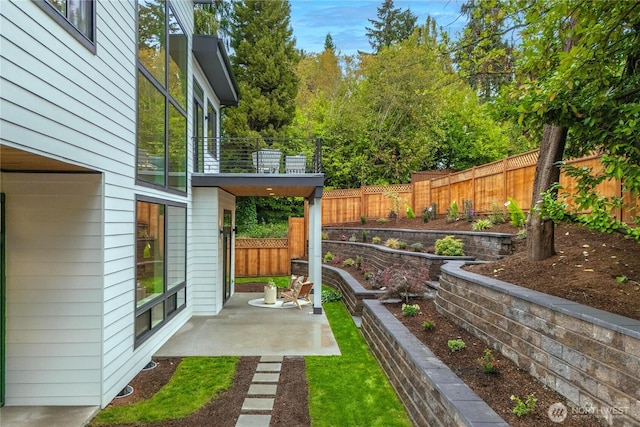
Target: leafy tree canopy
[(392, 26)]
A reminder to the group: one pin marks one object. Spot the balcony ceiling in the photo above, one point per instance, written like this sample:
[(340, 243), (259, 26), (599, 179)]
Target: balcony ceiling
[(15, 160), (265, 185), (213, 59)]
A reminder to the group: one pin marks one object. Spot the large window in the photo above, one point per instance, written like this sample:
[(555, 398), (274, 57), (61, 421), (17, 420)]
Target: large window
[(162, 97), (77, 16), (161, 253)]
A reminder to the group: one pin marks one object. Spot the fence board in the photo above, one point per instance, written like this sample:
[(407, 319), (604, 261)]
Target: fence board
[(262, 257), (297, 238)]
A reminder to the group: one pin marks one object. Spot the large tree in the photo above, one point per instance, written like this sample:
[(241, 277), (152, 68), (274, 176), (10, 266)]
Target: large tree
[(264, 60), (392, 26), (579, 77)]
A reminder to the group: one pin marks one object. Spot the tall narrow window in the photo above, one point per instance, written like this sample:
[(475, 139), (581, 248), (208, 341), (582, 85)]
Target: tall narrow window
[(198, 126), (162, 97), (161, 254), (212, 136)]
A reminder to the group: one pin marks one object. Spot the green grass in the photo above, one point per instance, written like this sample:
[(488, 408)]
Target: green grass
[(281, 281), (352, 389), (196, 381)]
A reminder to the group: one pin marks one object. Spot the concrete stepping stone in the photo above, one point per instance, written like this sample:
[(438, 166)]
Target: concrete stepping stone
[(261, 377), (269, 367), (263, 389), (246, 420), (258, 404)]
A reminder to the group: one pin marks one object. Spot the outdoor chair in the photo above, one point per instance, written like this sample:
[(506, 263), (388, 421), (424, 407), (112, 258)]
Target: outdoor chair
[(266, 161), (299, 291), (295, 164)]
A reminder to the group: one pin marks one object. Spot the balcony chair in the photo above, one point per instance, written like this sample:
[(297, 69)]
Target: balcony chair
[(298, 292), (295, 164), (266, 161)]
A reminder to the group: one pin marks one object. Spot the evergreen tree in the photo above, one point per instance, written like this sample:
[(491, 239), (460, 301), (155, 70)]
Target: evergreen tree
[(328, 43), (264, 61), (393, 26)]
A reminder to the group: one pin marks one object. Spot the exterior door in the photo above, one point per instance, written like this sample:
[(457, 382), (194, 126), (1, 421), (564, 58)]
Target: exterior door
[(227, 235), (2, 297)]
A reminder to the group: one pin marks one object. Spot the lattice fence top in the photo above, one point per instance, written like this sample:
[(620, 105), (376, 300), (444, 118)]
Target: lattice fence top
[(494, 168), (529, 158), (261, 243), (379, 189), (440, 182), (348, 192), (465, 175)]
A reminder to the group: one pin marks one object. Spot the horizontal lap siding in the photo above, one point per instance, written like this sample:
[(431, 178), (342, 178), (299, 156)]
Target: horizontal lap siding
[(203, 247), (54, 288)]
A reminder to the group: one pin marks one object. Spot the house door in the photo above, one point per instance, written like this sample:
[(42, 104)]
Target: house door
[(2, 297), (226, 255)]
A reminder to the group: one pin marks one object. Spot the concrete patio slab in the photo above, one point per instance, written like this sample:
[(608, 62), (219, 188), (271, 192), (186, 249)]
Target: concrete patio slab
[(244, 330)]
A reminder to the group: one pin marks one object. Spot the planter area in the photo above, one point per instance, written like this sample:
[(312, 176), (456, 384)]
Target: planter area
[(481, 246)]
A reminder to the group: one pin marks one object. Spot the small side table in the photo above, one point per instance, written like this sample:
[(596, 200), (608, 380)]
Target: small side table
[(270, 294)]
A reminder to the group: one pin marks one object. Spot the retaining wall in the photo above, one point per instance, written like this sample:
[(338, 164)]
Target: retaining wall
[(590, 356), (482, 246)]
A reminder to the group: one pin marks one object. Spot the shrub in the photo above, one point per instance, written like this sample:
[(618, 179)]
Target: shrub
[(482, 224), (430, 212), (523, 408), (456, 345), (324, 235), (425, 215), (363, 219), (498, 215), (328, 257), (349, 262), (381, 220), (410, 310), (402, 244), (266, 231), (452, 212), (330, 294), (517, 216), (428, 325), (358, 262), (417, 247), (392, 243), (522, 234), (364, 236), (403, 282), (377, 240), (488, 362), (410, 213), (368, 275), (352, 238), (449, 246)]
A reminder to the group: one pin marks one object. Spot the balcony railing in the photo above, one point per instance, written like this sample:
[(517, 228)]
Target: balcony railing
[(257, 155)]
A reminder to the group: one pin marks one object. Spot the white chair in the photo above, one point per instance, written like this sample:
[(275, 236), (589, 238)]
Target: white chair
[(295, 164), (266, 161)]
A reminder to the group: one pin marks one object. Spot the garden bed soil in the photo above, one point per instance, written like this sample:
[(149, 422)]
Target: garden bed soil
[(585, 268)]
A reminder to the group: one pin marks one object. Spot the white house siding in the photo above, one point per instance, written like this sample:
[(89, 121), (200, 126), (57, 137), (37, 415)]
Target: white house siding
[(54, 275), (204, 248)]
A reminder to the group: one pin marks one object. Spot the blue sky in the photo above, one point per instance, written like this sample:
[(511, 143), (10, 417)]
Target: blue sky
[(346, 20)]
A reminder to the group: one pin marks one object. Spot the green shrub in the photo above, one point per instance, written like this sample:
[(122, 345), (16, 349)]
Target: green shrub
[(523, 408), (330, 295), (363, 219), (328, 257), (368, 275), (467, 209), (456, 345), (324, 235), (410, 310), (358, 262), (402, 244), (410, 213), (428, 325), (364, 236), (417, 247), (522, 234), (498, 215), (482, 224), (349, 262), (452, 212), (266, 231), (517, 216), (382, 220), (352, 238), (488, 362), (449, 246), (377, 240)]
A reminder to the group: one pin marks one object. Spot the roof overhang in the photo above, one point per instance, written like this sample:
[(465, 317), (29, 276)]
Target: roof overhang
[(212, 57), (265, 185), (16, 160)]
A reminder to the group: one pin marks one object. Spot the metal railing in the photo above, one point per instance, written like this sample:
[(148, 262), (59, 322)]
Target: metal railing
[(257, 155)]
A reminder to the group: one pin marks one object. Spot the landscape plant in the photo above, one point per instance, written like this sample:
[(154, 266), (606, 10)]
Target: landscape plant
[(428, 325), (456, 345), (330, 295), (410, 310), (328, 257), (363, 219), (452, 212), (404, 282), (382, 220), (516, 214), (449, 246), (364, 236), (481, 224), (349, 262), (376, 240), (358, 262), (467, 209), (352, 238), (488, 362), (417, 247), (497, 215), (402, 244), (410, 213), (522, 408), (392, 243)]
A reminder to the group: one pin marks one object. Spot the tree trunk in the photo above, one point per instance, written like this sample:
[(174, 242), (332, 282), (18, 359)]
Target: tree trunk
[(540, 231)]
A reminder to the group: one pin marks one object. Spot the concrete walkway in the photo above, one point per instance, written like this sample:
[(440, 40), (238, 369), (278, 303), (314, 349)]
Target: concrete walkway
[(264, 383), (239, 330)]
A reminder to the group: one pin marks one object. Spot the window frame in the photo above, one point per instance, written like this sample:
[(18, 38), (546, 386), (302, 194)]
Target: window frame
[(168, 295), (163, 88), (88, 42)]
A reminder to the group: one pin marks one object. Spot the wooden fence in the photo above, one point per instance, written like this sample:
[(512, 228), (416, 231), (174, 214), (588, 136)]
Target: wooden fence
[(271, 257), (487, 185)]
